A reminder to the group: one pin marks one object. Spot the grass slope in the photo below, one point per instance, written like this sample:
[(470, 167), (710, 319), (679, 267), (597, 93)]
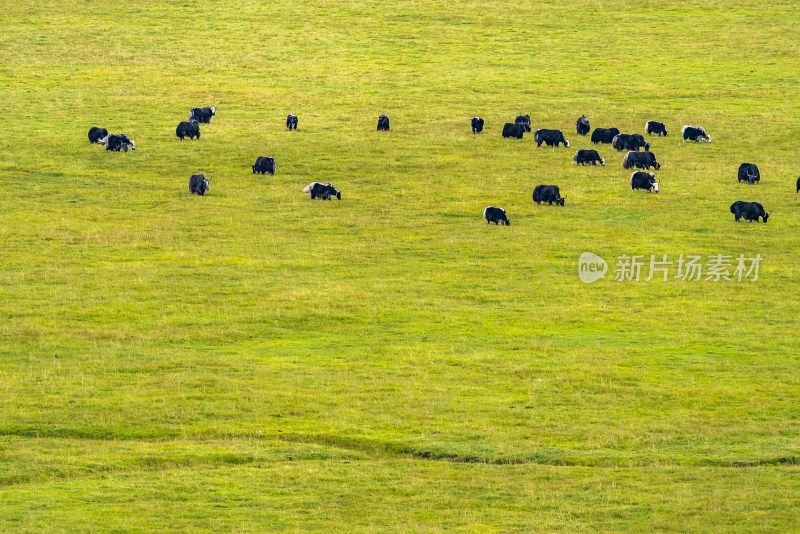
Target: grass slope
[(252, 360)]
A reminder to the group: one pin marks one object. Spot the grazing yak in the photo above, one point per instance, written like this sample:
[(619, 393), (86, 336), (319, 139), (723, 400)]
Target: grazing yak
[(629, 142), (748, 172), (96, 134), (694, 133), (264, 165), (198, 184), (202, 114), (291, 121), (525, 121), (322, 191), (798, 186), (604, 135), (477, 125), (655, 127), (383, 123), (751, 211), (190, 129), (496, 216), (550, 137), (644, 180), (513, 130), (549, 194), (588, 157), (582, 125), (640, 160), (115, 143)]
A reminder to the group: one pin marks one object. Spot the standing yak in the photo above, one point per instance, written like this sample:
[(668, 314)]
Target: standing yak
[(582, 125), (751, 211), (96, 134), (588, 157), (748, 172), (513, 130), (629, 142), (549, 137), (264, 165), (640, 160), (202, 114), (322, 191), (525, 121), (115, 143), (291, 121), (477, 125), (695, 133), (604, 135), (383, 123), (655, 127), (644, 180), (549, 194), (190, 129), (198, 184), (496, 216)]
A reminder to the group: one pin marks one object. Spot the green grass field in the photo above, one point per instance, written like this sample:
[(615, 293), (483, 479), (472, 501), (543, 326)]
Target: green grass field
[(253, 361)]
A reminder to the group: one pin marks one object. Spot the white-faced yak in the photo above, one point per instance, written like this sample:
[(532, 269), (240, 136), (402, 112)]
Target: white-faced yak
[(115, 143), (202, 114), (644, 180), (198, 184)]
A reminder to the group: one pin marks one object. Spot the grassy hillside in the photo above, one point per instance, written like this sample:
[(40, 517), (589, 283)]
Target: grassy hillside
[(251, 360)]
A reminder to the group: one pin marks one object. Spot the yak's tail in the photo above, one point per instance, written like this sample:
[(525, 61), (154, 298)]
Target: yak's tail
[(307, 189)]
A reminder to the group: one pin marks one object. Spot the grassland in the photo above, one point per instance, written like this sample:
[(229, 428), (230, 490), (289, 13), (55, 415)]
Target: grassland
[(253, 361)]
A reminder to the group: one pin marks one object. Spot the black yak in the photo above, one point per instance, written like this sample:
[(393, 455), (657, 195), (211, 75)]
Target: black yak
[(550, 137), (655, 127), (115, 143), (604, 135), (694, 133), (322, 191), (190, 129), (198, 184), (748, 172), (477, 125), (629, 142), (525, 121), (644, 180), (513, 130), (588, 157), (582, 125), (291, 121), (549, 194), (751, 211), (264, 165), (96, 134), (383, 123), (640, 160), (496, 216), (202, 114)]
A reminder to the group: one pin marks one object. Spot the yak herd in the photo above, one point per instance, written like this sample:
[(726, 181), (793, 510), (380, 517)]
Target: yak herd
[(633, 159)]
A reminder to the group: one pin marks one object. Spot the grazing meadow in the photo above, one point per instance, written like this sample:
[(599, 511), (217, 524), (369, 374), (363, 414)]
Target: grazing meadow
[(252, 360)]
